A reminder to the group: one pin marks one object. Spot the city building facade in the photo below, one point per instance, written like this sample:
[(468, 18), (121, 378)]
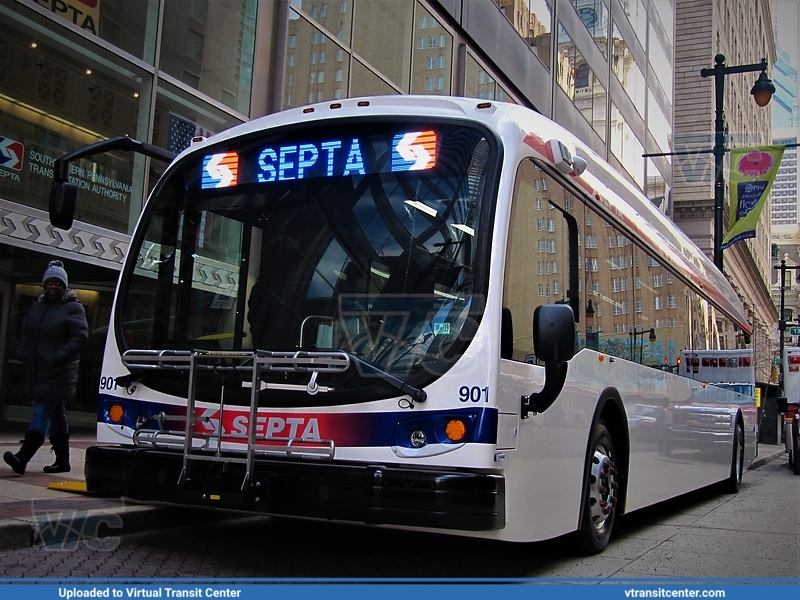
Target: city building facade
[(786, 130), (74, 72), (704, 29)]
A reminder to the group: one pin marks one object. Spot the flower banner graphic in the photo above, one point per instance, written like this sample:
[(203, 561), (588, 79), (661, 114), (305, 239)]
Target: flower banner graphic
[(752, 172)]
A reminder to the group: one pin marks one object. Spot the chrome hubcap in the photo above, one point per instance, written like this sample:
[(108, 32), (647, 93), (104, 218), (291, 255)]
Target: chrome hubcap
[(602, 487)]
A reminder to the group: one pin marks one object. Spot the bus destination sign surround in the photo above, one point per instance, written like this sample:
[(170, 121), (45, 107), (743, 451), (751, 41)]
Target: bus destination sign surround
[(412, 151)]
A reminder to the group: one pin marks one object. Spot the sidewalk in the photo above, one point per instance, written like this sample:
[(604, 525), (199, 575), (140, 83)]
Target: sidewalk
[(32, 514)]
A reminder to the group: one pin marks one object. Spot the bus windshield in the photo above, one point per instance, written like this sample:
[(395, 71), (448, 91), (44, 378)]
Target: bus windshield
[(362, 236)]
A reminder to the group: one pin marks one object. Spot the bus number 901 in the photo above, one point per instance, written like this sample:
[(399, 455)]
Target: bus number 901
[(473, 394), (108, 383)]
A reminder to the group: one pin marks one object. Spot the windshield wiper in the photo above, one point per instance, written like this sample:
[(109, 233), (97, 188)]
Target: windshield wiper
[(417, 395)]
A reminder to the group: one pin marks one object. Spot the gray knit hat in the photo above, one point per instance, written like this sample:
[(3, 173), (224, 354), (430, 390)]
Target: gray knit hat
[(55, 270)]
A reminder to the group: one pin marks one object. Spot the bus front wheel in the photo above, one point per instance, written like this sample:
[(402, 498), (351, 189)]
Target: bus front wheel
[(600, 492)]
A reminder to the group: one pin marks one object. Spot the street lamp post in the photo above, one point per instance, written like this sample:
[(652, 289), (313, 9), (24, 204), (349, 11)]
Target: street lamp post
[(762, 93), (782, 318), (634, 333)]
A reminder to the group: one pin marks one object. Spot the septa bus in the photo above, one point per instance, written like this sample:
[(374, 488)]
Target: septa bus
[(730, 369), (791, 417), (326, 313)]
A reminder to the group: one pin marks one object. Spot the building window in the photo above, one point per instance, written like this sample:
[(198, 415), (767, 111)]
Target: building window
[(671, 301), (197, 10), (292, 41), (194, 46)]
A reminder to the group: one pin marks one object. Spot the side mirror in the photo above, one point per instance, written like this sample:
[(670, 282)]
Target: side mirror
[(554, 332), (62, 203), (554, 343)]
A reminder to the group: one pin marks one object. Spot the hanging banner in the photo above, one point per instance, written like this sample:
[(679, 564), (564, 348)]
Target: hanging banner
[(752, 172)]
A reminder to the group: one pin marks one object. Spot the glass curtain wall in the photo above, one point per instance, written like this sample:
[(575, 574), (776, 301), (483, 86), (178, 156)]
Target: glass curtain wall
[(63, 87), (352, 48)]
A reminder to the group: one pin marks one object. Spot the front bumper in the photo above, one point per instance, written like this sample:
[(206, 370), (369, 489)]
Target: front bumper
[(373, 494)]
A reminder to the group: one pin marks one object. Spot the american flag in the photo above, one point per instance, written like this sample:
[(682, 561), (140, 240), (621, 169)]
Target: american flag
[(181, 132)]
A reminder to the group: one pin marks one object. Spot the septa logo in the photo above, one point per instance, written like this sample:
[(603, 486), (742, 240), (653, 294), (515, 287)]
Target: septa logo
[(414, 151), (11, 153), (220, 170)]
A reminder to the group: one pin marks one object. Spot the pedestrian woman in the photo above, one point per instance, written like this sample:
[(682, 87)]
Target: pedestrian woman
[(54, 333)]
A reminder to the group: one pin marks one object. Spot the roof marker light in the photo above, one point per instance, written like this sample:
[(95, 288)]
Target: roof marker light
[(485, 105), (308, 110), (336, 105), (363, 103)]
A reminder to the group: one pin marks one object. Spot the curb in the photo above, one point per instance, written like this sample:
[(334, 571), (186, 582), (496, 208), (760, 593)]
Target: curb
[(760, 461)]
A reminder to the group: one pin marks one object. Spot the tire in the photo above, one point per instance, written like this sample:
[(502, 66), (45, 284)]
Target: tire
[(734, 481), (599, 493)]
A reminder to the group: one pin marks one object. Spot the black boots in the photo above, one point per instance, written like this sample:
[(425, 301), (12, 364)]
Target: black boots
[(61, 450), (32, 442)]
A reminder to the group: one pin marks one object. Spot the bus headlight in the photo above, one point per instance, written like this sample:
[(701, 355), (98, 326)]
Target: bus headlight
[(418, 438)]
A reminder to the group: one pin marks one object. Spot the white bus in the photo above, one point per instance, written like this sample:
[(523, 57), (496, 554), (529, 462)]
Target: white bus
[(326, 313)]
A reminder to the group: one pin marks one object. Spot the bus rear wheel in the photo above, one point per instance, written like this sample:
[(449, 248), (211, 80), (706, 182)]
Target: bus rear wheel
[(600, 492), (734, 481)]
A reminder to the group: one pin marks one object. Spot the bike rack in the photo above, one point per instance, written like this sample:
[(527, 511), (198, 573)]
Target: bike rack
[(219, 446)]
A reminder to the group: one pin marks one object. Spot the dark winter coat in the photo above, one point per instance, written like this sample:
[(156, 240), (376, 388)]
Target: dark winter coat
[(52, 339)]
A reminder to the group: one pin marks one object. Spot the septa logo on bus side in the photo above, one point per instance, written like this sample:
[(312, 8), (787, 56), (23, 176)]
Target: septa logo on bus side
[(414, 151), (220, 170), (11, 153)]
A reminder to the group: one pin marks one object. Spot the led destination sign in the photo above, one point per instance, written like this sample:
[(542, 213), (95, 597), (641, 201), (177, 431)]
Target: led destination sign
[(331, 158)]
